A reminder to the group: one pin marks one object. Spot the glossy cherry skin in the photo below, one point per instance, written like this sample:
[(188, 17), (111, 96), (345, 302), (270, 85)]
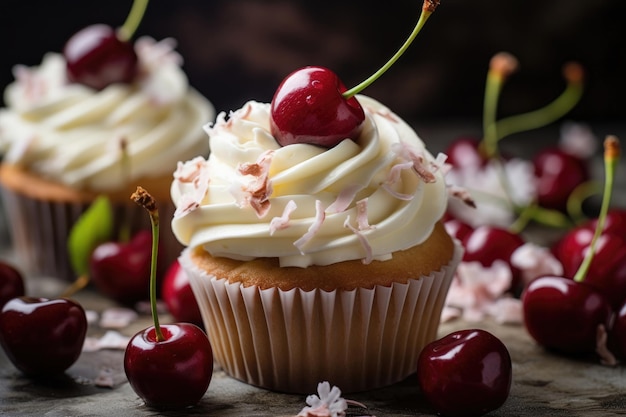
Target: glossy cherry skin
[(465, 152), (11, 283), (42, 336), (173, 373), (97, 58), (486, 244), (121, 271), (308, 108), (607, 271), (614, 224), (177, 294), (558, 174), (466, 373), (563, 315)]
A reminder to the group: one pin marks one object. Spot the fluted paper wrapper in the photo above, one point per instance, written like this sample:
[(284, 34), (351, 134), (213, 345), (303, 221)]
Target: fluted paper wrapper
[(39, 231), (289, 341)]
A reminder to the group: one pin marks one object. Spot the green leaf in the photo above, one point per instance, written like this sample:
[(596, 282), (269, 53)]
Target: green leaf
[(95, 226)]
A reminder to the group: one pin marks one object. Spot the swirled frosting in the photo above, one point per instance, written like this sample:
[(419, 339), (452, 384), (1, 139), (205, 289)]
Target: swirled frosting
[(74, 135), (304, 204)]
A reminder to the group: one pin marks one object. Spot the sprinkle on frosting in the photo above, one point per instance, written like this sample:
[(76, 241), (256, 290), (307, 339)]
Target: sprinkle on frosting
[(256, 193), (196, 173), (320, 216), (282, 222)]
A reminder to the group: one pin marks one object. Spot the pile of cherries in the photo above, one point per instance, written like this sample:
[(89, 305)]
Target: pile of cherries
[(579, 317)]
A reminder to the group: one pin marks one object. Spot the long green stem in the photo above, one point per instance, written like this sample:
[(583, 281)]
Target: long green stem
[(540, 117), (493, 87), (124, 231), (428, 9), (611, 157), (145, 200), (133, 19)]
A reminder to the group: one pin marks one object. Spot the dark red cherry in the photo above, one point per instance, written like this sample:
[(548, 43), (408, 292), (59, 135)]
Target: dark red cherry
[(121, 270), (465, 152), (563, 315), (11, 283), (42, 336), (489, 243), (614, 224), (177, 294), (170, 373), (558, 174), (466, 373), (97, 58), (486, 244), (607, 271), (308, 107)]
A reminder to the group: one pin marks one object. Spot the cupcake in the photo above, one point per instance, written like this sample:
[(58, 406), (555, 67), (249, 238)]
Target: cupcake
[(64, 144), (312, 264)]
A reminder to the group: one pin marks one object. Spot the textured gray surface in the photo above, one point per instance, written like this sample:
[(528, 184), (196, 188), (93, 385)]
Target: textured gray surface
[(543, 384)]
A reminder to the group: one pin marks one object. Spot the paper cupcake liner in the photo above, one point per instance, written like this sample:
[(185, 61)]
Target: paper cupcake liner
[(289, 341), (39, 231)]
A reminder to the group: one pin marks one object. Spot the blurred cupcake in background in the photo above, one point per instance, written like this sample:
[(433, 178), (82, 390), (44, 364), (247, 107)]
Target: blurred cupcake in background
[(85, 124)]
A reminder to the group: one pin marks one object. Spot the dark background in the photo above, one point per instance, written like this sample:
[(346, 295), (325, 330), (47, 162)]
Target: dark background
[(236, 50)]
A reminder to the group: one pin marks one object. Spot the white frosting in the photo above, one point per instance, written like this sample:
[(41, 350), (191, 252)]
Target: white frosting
[(72, 134), (306, 204)]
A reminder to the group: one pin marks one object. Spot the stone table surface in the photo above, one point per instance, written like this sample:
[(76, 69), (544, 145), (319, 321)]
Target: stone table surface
[(543, 384)]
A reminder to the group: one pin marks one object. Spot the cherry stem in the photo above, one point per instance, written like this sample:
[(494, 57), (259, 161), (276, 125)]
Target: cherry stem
[(574, 204), (501, 66), (145, 200), (548, 217), (133, 19), (611, 157), (558, 108), (124, 232), (428, 8), (80, 283)]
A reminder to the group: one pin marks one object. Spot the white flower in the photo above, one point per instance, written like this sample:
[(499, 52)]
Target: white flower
[(495, 189), (578, 139), (535, 261), (327, 404), (475, 288)]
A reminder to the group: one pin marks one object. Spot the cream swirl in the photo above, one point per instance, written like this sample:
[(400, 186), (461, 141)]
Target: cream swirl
[(72, 134), (304, 204)]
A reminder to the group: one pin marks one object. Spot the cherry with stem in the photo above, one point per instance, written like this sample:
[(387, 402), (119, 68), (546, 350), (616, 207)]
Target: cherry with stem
[(98, 55), (313, 106), (570, 315), (168, 366)]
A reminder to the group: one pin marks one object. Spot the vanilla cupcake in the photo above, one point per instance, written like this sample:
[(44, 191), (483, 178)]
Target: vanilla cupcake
[(313, 264), (63, 145)]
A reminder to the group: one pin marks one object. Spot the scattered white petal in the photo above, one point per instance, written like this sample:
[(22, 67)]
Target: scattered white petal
[(534, 261), (109, 340), (92, 316), (577, 139), (117, 318), (506, 310)]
